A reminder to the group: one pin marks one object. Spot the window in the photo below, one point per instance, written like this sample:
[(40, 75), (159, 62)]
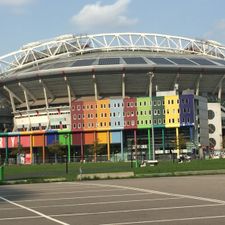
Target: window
[(74, 126), (79, 125), (78, 107), (154, 102), (159, 102), (132, 122), (159, 121), (74, 116)]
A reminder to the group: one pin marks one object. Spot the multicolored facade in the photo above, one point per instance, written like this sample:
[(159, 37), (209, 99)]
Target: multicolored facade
[(112, 123)]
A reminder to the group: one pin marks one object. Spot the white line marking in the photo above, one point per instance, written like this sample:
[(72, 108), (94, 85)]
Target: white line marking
[(82, 197), (161, 193), (66, 192), (168, 220), (104, 203), (34, 211), (136, 210), (20, 218)]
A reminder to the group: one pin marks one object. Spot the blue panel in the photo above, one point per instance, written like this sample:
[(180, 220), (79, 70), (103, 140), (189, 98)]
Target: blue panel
[(116, 114), (116, 137), (51, 138)]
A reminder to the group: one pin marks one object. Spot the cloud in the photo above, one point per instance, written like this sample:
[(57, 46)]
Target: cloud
[(14, 3), (217, 32), (98, 16)]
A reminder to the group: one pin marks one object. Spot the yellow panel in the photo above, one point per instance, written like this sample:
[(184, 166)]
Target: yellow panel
[(172, 114), (102, 137), (103, 111)]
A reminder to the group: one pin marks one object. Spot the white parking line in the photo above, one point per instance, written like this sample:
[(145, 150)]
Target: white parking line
[(66, 192), (161, 193), (167, 220), (34, 211), (105, 202), (81, 197), (135, 210)]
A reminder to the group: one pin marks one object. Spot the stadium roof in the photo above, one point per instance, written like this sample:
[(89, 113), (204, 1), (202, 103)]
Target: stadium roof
[(38, 52), (108, 64)]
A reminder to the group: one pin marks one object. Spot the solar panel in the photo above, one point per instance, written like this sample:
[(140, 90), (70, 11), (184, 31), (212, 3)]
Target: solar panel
[(134, 60), (202, 61), (84, 62), (160, 61), (181, 61), (109, 61), (219, 61)]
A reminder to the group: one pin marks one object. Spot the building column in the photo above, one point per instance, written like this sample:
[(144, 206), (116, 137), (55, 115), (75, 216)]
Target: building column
[(81, 147), (163, 139), (68, 147), (177, 142), (31, 148), (6, 149), (108, 145), (135, 145), (121, 145), (149, 145), (123, 86), (43, 149)]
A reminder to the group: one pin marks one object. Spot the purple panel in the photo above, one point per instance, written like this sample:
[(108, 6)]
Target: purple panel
[(186, 110)]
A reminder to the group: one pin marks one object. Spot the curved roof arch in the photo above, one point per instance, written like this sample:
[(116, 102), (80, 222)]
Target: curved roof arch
[(66, 45)]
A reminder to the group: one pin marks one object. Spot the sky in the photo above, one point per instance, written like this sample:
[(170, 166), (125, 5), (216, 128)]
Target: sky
[(25, 21)]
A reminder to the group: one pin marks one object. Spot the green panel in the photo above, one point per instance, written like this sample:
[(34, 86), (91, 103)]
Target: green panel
[(65, 137), (143, 110), (158, 111)]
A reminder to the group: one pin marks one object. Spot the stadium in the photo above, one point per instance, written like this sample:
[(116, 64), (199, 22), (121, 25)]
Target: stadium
[(111, 97)]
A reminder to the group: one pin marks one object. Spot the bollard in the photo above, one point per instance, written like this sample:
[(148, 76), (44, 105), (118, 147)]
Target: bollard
[(1, 173)]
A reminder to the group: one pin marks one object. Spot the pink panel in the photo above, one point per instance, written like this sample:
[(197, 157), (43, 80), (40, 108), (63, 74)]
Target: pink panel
[(25, 141), (2, 142), (13, 141)]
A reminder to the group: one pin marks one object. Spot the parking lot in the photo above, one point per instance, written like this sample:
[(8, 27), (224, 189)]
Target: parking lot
[(169, 200)]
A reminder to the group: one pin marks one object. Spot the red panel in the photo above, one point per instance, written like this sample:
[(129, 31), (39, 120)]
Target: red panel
[(13, 141), (76, 139), (89, 138), (129, 109), (77, 116), (25, 141), (2, 142), (38, 140)]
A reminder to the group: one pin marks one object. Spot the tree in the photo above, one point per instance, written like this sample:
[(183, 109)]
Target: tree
[(96, 149), (57, 149)]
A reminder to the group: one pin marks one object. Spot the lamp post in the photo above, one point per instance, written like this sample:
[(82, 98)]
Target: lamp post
[(151, 75)]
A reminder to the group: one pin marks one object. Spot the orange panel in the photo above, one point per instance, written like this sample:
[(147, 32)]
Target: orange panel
[(89, 138), (38, 140)]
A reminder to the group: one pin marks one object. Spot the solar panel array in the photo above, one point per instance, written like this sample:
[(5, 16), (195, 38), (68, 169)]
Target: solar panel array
[(134, 60), (160, 61), (84, 62), (181, 61), (109, 61), (202, 61), (193, 61)]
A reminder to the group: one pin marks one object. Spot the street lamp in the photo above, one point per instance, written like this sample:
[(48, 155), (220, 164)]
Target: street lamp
[(151, 75)]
